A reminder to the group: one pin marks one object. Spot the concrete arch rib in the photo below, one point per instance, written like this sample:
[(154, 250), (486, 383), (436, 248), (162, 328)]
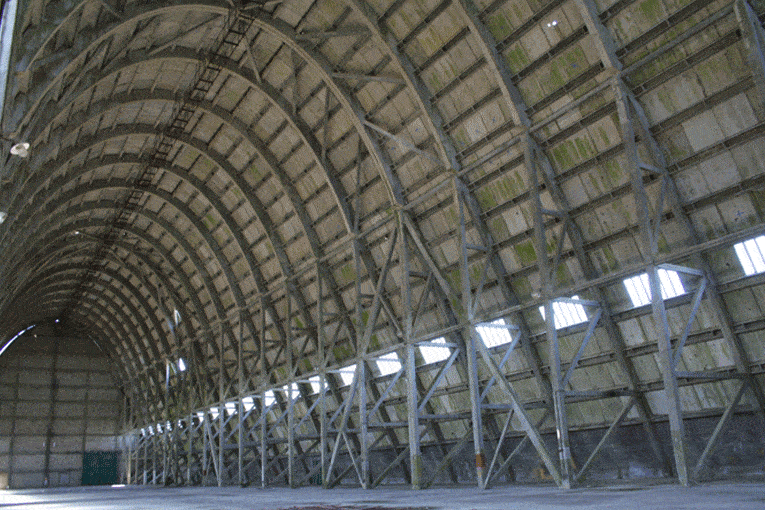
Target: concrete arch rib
[(212, 244), (275, 98), (372, 146), (82, 250), (70, 246), (28, 301), (154, 244), (71, 14), (135, 14), (287, 35), (147, 388), (82, 245), (201, 147), (255, 203), (271, 93), (55, 278), (63, 239), (88, 207), (149, 313), (129, 290), (432, 118), (109, 306), (137, 95)]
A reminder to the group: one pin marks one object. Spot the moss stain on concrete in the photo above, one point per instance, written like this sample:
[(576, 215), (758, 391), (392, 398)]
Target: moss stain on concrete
[(499, 26), (526, 252), (517, 58)]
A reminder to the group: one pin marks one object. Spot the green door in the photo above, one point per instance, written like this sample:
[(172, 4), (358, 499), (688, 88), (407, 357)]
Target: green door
[(100, 468)]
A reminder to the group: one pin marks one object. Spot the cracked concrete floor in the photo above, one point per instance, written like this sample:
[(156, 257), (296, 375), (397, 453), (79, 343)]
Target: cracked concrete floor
[(717, 496)]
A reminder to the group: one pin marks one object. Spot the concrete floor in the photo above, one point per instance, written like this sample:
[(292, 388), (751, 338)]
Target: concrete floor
[(717, 496)]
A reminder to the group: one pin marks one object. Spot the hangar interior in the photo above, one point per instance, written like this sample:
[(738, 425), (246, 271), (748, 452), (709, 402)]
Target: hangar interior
[(382, 242)]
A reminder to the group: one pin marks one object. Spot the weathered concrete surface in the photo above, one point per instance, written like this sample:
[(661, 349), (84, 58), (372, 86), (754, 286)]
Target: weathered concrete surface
[(718, 496)]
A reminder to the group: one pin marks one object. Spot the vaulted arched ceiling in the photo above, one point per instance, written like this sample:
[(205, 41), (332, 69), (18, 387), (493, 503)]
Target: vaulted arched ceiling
[(240, 165)]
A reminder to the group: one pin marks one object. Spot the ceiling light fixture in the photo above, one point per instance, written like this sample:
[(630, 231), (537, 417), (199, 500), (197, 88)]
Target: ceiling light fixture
[(20, 149)]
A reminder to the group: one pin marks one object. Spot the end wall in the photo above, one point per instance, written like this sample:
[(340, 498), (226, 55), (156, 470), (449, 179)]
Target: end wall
[(58, 400)]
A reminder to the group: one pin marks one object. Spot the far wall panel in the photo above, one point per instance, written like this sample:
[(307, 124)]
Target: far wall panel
[(57, 400)]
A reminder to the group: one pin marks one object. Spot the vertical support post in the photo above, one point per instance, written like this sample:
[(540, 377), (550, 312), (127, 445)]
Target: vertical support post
[(361, 370), (263, 439), (649, 249), (205, 446), (128, 471), (291, 480), (290, 404), (154, 459), (240, 404), (472, 365), (263, 410), (559, 397), (413, 417), (322, 377), (475, 410), (221, 410), (412, 400), (546, 290), (145, 460), (129, 474), (363, 423), (671, 389), (165, 431), (190, 452)]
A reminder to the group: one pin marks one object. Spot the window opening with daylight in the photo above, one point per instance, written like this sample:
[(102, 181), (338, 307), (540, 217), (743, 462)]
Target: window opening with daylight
[(291, 391), (751, 255), (388, 363), (639, 288), (315, 382), (347, 373), (434, 353), (13, 339), (214, 412), (248, 403), (231, 408), (7, 26), (566, 314), (494, 333), (270, 398)]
